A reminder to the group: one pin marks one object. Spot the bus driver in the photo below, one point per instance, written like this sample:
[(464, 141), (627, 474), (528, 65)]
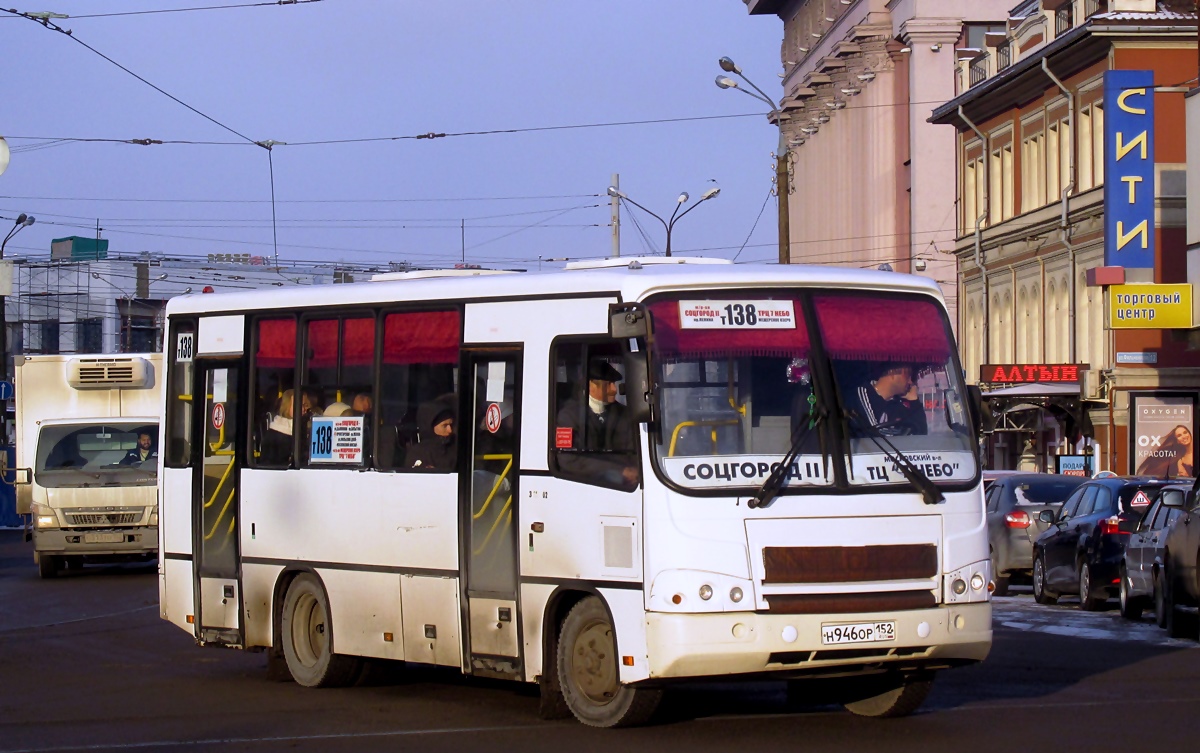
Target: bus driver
[(599, 431)]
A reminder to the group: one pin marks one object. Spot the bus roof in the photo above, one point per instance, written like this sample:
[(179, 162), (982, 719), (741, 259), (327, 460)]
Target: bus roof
[(634, 280)]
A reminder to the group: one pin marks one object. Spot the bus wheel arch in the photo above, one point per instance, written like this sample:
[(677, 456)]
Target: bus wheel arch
[(588, 671), (306, 633)]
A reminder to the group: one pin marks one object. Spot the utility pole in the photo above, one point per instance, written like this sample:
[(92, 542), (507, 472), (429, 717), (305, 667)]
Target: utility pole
[(615, 202), (783, 180)]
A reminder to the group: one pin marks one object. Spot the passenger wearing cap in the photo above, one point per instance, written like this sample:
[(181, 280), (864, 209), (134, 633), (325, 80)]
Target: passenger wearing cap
[(600, 433), (438, 448)]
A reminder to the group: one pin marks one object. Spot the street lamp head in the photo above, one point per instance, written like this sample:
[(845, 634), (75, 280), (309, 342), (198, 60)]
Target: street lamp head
[(29, 220), (725, 82), (21, 219), (683, 197), (728, 65), (612, 191), (711, 193)]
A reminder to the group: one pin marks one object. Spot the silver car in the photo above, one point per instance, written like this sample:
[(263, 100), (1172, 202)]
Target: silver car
[(1014, 503)]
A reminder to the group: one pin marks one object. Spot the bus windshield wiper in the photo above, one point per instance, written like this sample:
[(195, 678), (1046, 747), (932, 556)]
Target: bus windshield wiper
[(930, 494), (774, 483)]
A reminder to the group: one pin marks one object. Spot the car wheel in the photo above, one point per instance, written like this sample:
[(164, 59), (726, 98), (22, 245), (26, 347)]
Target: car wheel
[(889, 696), (308, 638), (1160, 600), (1131, 606), (1040, 594), (1087, 602), (1001, 581), (1178, 624), (589, 675)]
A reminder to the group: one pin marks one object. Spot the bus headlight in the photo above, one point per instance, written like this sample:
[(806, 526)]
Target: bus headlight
[(967, 584), (44, 517)]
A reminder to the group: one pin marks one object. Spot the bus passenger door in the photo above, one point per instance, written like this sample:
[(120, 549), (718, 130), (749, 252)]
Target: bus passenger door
[(491, 429), (215, 439)]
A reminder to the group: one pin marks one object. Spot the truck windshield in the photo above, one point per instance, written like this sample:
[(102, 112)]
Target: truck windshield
[(735, 385), (88, 455)]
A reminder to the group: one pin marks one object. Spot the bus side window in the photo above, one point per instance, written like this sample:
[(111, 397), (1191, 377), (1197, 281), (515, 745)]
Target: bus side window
[(418, 380), (591, 439), (274, 393), (338, 383), (179, 394)]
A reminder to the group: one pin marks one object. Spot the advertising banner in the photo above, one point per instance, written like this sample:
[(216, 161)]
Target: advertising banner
[(1073, 465), (1129, 169), (1161, 435)]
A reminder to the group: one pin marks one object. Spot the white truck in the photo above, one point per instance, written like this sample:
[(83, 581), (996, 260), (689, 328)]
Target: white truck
[(87, 457)]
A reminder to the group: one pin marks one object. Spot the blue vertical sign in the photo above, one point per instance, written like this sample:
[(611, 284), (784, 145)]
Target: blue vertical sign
[(1129, 168)]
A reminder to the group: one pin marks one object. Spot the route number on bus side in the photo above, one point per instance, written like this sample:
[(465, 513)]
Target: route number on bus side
[(185, 347)]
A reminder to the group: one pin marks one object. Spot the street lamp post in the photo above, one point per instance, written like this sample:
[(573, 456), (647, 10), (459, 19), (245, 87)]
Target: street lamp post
[(782, 168), (676, 215), (23, 221)]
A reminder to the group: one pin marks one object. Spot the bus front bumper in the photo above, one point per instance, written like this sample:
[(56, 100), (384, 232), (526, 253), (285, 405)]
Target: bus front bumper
[(730, 643), (95, 542)]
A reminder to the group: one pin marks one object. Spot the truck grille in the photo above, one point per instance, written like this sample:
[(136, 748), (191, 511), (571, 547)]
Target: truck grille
[(103, 519)]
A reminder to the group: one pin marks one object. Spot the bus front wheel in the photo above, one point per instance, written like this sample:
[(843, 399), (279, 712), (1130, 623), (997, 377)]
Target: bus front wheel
[(589, 675), (308, 638), (889, 696)]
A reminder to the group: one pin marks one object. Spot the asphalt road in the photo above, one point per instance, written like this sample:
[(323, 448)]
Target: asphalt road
[(87, 665)]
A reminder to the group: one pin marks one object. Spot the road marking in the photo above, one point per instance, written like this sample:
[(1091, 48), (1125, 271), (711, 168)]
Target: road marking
[(164, 744)]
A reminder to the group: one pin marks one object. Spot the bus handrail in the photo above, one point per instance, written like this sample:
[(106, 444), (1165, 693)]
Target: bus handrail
[(712, 422), (225, 475), (496, 486)]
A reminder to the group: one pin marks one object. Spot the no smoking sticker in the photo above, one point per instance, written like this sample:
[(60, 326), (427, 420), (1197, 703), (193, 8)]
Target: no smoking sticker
[(218, 415), (491, 419)]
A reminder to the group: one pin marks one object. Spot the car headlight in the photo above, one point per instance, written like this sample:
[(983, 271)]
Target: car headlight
[(43, 516)]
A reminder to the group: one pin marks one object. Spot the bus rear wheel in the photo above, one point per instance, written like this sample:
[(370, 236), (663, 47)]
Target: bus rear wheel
[(589, 675), (889, 696), (308, 638)]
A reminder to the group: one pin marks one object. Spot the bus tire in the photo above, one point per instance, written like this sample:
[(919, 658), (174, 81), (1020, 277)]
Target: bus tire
[(588, 673), (889, 696), (47, 565), (307, 637)]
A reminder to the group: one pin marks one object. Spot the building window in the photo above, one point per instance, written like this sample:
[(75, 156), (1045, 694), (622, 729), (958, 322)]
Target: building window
[(1091, 146), (1063, 20), (1033, 167), (89, 336), (48, 332), (1000, 198), (141, 325)]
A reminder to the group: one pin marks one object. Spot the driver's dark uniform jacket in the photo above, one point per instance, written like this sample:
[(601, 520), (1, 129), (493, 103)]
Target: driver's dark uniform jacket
[(891, 416)]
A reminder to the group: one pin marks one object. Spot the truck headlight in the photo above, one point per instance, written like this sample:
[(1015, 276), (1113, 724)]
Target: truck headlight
[(44, 517), (154, 517)]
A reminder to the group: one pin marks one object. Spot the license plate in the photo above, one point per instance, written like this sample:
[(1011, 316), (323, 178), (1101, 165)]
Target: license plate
[(858, 632), (103, 538)]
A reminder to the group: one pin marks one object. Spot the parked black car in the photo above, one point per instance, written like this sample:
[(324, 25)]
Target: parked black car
[(1081, 552), (1142, 566), (1014, 503), (1181, 577)]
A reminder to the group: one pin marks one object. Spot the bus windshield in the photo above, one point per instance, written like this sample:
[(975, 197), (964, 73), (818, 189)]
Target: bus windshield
[(97, 454), (736, 385)]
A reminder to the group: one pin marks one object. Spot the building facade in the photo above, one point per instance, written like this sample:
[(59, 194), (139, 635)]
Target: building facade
[(873, 182), (1043, 232)]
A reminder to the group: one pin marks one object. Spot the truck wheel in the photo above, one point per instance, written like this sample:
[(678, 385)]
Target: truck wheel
[(889, 696), (47, 565), (308, 638), (589, 675)]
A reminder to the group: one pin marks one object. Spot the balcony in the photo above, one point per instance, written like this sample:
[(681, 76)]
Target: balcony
[(1064, 19), (1003, 56), (1092, 7), (979, 69)]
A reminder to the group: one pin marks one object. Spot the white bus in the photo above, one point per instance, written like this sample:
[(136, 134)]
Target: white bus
[(87, 457), (745, 507)]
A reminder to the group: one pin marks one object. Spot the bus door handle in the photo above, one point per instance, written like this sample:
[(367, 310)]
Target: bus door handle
[(537, 527)]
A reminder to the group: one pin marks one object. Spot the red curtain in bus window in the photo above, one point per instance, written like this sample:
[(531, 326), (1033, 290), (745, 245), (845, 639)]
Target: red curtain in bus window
[(276, 343), (322, 343), (859, 328), (358, 342), (421, 337), (671, 339)]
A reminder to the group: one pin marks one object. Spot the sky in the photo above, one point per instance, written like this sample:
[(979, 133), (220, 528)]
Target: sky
[(342, 70)]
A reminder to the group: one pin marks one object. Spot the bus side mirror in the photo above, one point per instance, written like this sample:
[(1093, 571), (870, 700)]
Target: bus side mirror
[(639, 400), (975, 405), (22, 476), (627, 321)]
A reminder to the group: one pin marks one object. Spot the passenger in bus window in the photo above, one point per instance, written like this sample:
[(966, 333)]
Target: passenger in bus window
[(437, 449), (889, 402), (363, 404), (277, 443), (600, 436)]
